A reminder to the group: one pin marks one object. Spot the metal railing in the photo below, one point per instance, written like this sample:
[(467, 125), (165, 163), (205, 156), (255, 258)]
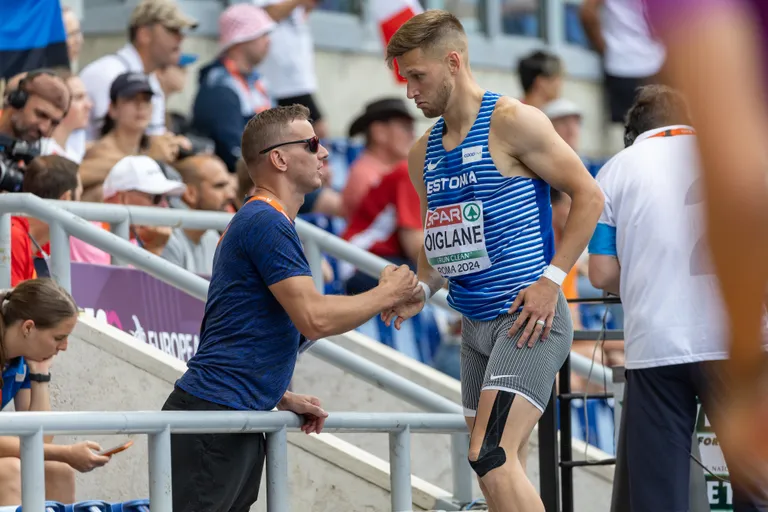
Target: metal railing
[(66, 218), (316, 241), (62, 223), (32, 426)]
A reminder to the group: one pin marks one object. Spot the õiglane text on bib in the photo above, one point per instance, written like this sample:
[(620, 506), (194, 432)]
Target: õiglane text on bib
[(454, 241)]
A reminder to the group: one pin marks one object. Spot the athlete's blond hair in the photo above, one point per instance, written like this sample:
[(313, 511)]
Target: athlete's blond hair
[(430, 30)]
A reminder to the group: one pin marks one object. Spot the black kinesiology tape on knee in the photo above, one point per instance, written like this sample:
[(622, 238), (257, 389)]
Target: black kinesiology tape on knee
[(492, 455)]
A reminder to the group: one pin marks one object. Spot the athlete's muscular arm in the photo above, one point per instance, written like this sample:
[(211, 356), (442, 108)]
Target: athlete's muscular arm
[(535, 143), (530, 138)]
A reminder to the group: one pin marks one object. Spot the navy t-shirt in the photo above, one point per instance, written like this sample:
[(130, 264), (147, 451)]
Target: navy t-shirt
[(248, 343)]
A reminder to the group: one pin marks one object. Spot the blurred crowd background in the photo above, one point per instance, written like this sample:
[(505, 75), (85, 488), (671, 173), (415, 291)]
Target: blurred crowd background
[(162, 89)]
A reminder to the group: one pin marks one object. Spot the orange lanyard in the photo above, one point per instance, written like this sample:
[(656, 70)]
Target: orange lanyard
[(232, 68), (271, 202), (674, 132)]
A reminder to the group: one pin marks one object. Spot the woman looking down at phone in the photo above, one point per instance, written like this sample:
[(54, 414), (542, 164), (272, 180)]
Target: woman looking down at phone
[(36, 319)]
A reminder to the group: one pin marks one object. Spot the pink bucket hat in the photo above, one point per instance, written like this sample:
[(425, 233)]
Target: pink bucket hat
[(242, 22)]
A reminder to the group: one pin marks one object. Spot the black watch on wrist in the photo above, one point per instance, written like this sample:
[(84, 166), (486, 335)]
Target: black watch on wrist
[(40, 377)]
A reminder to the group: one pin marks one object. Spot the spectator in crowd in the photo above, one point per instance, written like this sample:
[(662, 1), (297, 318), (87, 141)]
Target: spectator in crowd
[(290, 64), (208, 189), (37, 317), (48, 177), (387, 224), (155, 33), (231, 91), (172, 80), (388, 127), (541, 76), (649, 247), (566, 117), (74, 34), (619, 32), (34, 107), (128, 171), (76, 119), (123, 133), (139, 181)]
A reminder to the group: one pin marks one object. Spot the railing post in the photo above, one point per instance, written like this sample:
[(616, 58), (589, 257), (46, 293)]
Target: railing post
[(123, 230), (61, 260), (400, 470), (549, 461), (463, 476), (160, 481), (315, 259), (277, 471), (32, 471), (566, 439), (5, 251)]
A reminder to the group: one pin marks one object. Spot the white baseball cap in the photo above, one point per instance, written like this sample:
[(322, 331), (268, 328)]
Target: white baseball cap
[(560, 108), (140, 173)]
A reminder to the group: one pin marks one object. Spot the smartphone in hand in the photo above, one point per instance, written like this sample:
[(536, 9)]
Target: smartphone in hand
[(116, 449)]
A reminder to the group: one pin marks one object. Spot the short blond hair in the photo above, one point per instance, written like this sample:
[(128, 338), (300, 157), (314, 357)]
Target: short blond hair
[(429, 30)]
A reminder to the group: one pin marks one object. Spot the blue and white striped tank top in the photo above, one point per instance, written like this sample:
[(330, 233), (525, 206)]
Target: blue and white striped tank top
[(490, 235)]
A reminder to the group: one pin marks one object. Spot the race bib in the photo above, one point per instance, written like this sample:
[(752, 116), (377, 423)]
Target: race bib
[(454, 240)]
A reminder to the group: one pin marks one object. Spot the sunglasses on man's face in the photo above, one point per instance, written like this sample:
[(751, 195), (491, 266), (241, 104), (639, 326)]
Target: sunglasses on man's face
[(313, 145)]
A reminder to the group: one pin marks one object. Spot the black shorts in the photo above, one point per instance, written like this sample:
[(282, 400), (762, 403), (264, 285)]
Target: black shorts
[(213, 472), (659, 418), (308, 101), (621, 93)]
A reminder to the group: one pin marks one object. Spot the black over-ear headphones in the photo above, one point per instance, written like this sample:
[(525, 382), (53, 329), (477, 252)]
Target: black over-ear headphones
[(18, 97)]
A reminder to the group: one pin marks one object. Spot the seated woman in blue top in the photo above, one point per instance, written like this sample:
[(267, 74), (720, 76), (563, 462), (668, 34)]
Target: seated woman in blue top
[(36, 318)]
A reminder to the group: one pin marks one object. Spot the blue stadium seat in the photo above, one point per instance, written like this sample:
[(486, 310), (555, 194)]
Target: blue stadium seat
[(131, 506), (89, 506), (50, 506), (599, 424)]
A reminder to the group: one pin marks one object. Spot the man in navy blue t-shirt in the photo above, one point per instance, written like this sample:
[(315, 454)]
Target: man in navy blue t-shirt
[(262, 306)]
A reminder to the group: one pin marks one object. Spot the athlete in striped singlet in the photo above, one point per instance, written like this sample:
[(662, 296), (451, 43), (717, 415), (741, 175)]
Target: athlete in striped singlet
[(483, 173)]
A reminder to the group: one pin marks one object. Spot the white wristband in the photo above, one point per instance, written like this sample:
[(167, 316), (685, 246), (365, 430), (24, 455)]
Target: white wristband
[(427, 290), (555, 275)]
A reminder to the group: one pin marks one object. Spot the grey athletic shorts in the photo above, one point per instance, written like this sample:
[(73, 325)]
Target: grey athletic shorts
[(490, 359)]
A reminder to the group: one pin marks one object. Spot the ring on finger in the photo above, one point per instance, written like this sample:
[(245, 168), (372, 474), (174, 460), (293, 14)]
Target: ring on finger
[(541, 322)]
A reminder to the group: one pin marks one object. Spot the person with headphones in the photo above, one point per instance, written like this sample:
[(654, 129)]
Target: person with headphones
[(35, 107), (36, 319)]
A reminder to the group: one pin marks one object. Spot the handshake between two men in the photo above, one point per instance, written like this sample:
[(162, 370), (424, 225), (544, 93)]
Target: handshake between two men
[(412, 294)]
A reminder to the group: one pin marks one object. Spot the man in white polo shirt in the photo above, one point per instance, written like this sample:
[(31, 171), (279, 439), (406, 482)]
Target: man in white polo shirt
[(155, 35), (648, 248)]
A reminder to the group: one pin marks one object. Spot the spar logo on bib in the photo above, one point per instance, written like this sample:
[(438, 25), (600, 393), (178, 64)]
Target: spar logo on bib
[(454, 240), (471, 212)]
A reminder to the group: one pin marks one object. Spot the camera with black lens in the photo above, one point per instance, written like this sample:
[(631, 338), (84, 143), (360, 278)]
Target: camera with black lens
[(14, 155)]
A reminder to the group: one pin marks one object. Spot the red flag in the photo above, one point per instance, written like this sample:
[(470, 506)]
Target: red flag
[(390, 16)]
